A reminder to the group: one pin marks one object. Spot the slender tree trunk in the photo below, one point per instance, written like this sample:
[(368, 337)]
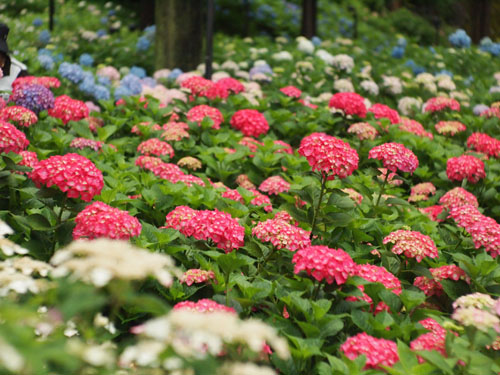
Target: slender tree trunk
[(309, 15), (480, 11), (179, 33)]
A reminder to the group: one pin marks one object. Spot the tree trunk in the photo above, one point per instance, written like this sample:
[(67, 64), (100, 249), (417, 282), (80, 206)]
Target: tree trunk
[(309, 11), (480, 19), (179, 33)]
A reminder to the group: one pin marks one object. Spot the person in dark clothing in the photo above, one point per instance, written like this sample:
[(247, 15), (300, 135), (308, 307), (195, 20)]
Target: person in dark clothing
[(11, 67)]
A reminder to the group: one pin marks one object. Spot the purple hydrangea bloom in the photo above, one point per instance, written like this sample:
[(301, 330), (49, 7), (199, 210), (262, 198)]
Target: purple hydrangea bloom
[(35, 97)]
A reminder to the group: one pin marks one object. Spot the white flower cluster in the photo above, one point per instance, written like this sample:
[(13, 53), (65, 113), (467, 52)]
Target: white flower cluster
[(409, 106), (370, 87), (282, 56), (445, 82), (393, 84), (477, 310), (305, 45), (343, 85), (343, 62), (98, 261), (326, 56), (196, 334), (427, 81)]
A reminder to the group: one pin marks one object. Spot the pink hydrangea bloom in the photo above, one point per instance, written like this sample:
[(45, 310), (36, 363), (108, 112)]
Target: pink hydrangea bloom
[(11, 139), (395, 156), (349, 102), (175, 131), (485, 144), (197, 276), (383, 111), (378, 352), (413, 244), (291, 91), (282, 234), (250, 122), (82, 143), (204, 306), (199, 112), (68, 109), (450, 127), (18, 115), (433, 286), (363, 130), (421, 192), (415, 127), (274, 185), (156, 147), (458, 197), (465, 166), (441, 103)]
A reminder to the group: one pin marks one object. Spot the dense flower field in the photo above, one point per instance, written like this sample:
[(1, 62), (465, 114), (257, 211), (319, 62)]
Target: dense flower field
[(317, 207)]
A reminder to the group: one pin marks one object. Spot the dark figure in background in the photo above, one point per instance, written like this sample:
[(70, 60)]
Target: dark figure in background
[(11, 68)]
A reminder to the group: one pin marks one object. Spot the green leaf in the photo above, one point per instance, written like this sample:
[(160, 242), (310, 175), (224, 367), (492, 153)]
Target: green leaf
[(39, 222), (412, 299), (360, 318)]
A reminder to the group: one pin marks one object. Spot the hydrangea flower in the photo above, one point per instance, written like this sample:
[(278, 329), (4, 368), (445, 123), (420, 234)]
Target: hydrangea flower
[(450, 127), (383, 111), (282, 234), (250, 122), (458, 197), (378, 352), (421, 192), (433, 286), (349, 102), (414, 127), (74, 174), (156, 147), (291, 91), (203, 306), (363, 130), (324, 263), (395, 156), (82, 143), (485, 144), (72, 72), (11, 139), (86, 59), (329, 155), (412, 243), (34, 97), (441, 103), (197, 276), (18, 115), (175, 131), (274, 185), (199, 112), (460, 39), (465, 167), (68, 109)]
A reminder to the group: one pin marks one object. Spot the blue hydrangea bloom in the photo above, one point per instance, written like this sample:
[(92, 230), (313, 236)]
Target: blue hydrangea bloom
[(105, 81), (460, 39), (59, 57), (433, 50), (479, 108), (46, 61), (148, 81), (132, 83), (142, 44), (101, 32), (487, 45), (44, 37), (86, 59), (44, 51), (37, 22), (402, 42), (104, 20), (72, 72), (111, 12), (101, 92), (150, 30), (418, 69), (316, 41), (175, 73), (398, 52), (87, 86), (121, 92), (138, 71)]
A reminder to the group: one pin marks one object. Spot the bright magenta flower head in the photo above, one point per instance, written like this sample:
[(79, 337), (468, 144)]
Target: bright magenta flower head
[(204, 305), (349, 102), (329, 155), (197, 85), (68, 109), (415, 127), (441, 103), (383, 111), (324, 263), (18, 115), (282, 234), (433, 286), (250, 122), (413, 244), (11, 139), (291, 91), (378, 352), (465, 166), (485, 144), (156, 147), (74, 174), (458, 197), (199, 112), (433, 340), (395, 156), (377, 274), (274, 185), (100, 220)]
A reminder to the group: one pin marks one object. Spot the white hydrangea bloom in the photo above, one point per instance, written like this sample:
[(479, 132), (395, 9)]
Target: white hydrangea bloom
[(409, 105), (305, 45), (327, 57), (282, 56), (343, 62), (370, 87), (392, 84), (343, 85)]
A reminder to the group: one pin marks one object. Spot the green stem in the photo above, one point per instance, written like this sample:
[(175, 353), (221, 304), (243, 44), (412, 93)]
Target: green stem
[(227, 289), (63, 205), (316, 290), (318, 206), (382, 189), (266, 259)]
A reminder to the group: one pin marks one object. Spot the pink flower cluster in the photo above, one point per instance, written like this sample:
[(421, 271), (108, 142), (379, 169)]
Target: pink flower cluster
[(458, 197), (441, 103), (100, 220), (465, 166), (204, 305), (324, 263), (197, 276), (363, 130), (251, 143), (414, 127), (82, 143), (433, 340), (221, 89), (383, 111), (199, 112), (136, 130), (329, 155), (175, 131), (30, 158), (95, 123), (18, 115), (217, 226), (197, 85), (261, 200), (74, 174), (250, 122), (291, 91), (413, 244), (395, 156), (48, 82), (68, 109), (354, 195), (485, 144), (433, 286), (450, 127), (349, 102), (11, 139), (274, 185), (156, 147), (378, 352), (283, 147), (433, 212), (167, 171), (389, 176), (282, 234), (421, 192), (484, 230)]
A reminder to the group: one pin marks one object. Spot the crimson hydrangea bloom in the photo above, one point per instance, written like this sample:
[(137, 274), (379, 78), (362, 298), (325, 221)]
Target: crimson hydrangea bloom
[(324, 263), (291, 91), (154, 146), (30, 158), (440, 103), (433, 286), (274, 185), (35, 97), (11, 139), (458, 197), (415, 127), (100, 220), (383, 111), (485, 144), (199, 112), (282, 234), (413, 244), (204, 305), (18, 115), (48, 82), (433, 340), (378, 352), (179, 216), (465, 166), (250, 122), (433, 212), (329, 155), (74, 174), (450, 127), (197, 276), (261, 200), (349, 102), (230, 84), (395, 156), (198, 85), (363, 130), (68, 109)]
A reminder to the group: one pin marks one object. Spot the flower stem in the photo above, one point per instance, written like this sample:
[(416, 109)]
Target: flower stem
[(63, 205), (382, 189), (317, 287), (318, 206)]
